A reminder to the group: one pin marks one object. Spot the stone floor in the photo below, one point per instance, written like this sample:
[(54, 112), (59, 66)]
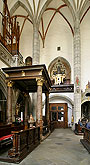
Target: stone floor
[(62, 147)]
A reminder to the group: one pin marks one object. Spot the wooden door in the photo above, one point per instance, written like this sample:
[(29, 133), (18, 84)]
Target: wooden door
[(58, 114)]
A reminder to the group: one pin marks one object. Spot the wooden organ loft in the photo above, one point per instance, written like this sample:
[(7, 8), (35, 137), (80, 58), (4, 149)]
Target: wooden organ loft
[(10, 30)]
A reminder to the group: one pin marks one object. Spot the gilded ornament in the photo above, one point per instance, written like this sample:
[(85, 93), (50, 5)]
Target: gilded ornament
[(10, 84), (40, 82), (23, 73)]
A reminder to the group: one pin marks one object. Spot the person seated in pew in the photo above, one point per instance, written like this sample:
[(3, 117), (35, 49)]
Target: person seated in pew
[(80, 123), (80, 126), (88, 125)]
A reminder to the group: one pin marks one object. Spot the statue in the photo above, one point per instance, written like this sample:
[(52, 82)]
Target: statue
[(17, 109), (31, 121)]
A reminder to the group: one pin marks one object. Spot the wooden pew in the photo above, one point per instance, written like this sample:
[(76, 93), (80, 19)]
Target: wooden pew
[(24, 142), (52, 126), (45, 130), (6, 135), (78, 129), (86, 139)]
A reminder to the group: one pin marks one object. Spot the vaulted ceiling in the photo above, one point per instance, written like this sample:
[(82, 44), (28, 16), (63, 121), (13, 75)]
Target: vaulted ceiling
[(38, 10), (37, 7)]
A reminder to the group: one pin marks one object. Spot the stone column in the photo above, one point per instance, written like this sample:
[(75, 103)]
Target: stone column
[(14, 101), (35, 60), (77, 71), (26, 111), (36, 45), (9, 103), (47, 108), (39, 121)]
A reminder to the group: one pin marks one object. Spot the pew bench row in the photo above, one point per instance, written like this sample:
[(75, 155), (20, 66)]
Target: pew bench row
[(23, 143), (6, 140), (6, 136), (86, 139)]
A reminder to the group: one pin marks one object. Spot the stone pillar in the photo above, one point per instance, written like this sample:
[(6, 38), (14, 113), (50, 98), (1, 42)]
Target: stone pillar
[(47, 108), (14, 101), (9, 103), (39, 121), (26, 111), (35, 60), (73, 110), (77, 71), (36, 45), (34, 105)]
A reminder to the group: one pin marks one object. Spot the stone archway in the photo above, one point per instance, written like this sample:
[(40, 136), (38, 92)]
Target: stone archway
[(57, 98), (61, 100), (60, 97)]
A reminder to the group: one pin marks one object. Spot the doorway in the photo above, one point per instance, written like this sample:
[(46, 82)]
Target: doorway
[(58, 114)]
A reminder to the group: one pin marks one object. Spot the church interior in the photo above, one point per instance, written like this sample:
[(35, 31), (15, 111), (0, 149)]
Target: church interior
[(44, 75)]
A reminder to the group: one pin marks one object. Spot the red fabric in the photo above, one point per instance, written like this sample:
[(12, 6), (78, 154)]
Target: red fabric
[(5, 137)]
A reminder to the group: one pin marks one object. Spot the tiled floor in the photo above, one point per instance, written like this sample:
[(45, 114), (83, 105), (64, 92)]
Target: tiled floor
[(62, 147)]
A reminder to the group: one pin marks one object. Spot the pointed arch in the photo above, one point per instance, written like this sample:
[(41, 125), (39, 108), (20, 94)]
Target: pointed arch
[(17, 5), (49, 1), (83, 7)]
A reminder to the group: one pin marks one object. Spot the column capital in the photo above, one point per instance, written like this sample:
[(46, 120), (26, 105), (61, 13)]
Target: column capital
[(10, 83), (47, 94), (77, 26), (39, 81), (25, 94)]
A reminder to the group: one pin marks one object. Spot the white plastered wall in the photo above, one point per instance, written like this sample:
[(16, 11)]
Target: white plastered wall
[(26, 37), (85, 51), (58, 34)]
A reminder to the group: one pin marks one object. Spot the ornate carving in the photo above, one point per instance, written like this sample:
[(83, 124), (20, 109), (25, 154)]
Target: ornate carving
[(60, 71), (25, 94), (41, 72), (77, 89), (10, 84), (7, 58), (6, 75), (40, 82), (23, 73)]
